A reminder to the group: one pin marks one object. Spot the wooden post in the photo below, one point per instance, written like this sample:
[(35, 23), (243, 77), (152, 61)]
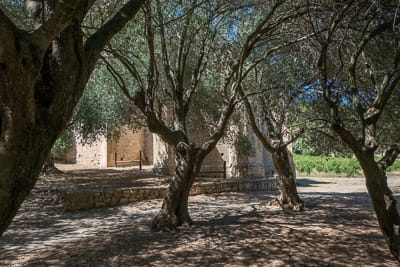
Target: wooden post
[(224, 169), (115, 159), (140, 160)]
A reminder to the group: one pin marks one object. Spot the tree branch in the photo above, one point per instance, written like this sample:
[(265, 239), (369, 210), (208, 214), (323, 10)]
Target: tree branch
[(164, 50), (5, 22), (155, 124), (152, 70), (201, 64), (118, 78), (7, 29), (97, 41), (238, 73), (354, 59), (130, 67), (221, 126), (253, 122), (292, 139), (59, 19), (387, 86), (389, 158)]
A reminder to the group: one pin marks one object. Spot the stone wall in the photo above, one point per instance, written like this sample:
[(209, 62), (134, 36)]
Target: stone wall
[(90, 199), (68, 156), (157, 153), (92, 155), (213, 163), (259, 163), (163, 161), (129, 146)]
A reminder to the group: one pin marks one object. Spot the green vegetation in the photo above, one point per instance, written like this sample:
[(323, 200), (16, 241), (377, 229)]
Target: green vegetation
[(395, 167), (339, 166), (63, 143), (243, 146)]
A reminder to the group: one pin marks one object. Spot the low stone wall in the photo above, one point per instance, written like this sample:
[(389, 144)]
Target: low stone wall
[(96, 198)]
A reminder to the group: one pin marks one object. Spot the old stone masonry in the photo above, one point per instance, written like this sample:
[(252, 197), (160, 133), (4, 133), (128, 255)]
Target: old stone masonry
[(141, 147)]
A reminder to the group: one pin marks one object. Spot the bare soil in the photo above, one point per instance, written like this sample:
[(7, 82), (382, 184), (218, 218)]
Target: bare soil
[(337, 228)]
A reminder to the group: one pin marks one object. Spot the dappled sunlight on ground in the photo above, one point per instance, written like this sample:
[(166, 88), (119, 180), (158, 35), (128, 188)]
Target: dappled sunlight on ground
[(231, 229)]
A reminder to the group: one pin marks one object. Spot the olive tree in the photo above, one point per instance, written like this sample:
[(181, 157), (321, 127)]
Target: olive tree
[(358, 56), (43, 72), (194, 47), (271, 115)]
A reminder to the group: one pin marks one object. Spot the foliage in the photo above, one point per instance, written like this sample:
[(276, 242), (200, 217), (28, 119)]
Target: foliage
[(242, 145), (302, 146), (63, 143), (335, 165), (395, 167), (320, 143), (102, 109), (18, 13)]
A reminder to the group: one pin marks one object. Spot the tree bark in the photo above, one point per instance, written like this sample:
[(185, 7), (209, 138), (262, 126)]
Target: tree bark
[(174, 211), (19, 168), (42, 77), (35, 105), (49, 167), (288, 198), (383, 201)]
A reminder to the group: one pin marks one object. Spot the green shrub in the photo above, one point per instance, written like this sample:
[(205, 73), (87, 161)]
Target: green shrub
[(335, 165), (352, 168), (304, 164), (395, 167), (243, 146)]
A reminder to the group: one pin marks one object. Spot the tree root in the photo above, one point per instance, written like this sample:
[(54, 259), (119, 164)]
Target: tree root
[(287, 205), (48, 170), (164, 222)]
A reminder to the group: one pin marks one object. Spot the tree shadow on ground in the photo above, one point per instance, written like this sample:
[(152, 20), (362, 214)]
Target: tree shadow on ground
[(309, 182), (232, 229), (101, 178), (88, 179)]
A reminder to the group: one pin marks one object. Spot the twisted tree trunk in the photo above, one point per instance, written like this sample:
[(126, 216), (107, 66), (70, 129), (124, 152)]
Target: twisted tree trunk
[(174, 211), (383, 201), (49, 167), (288, 198), (20, 165), (28, 105), (42, 77)]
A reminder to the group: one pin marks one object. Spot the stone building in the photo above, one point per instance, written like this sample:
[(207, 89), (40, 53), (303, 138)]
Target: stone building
[(141, 147)]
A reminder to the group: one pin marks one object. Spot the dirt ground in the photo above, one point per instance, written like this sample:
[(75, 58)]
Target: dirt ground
[(337, 228)]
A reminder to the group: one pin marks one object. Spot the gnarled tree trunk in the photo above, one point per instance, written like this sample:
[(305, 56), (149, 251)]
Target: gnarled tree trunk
[(20, 165), (383, 201), (42, 77), (174, 211), (30, 98), (49, 167), (288, 198)]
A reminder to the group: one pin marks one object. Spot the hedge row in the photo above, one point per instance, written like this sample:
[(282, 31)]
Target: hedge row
[(336, 165)]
